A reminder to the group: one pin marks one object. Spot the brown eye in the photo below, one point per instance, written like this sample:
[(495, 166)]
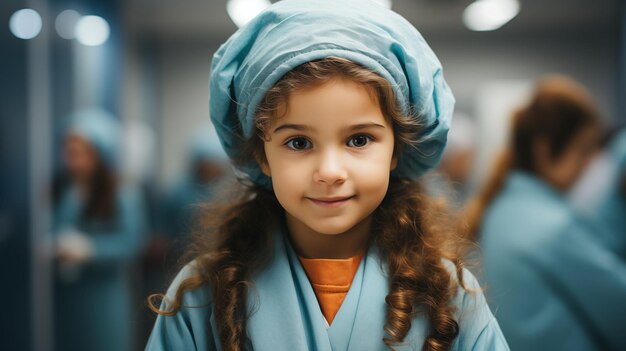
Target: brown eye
[(359, 141), (298, 143)]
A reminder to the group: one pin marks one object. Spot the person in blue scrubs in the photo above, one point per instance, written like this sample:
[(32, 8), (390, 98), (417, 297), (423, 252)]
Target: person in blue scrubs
[(331, 111), (551, 281), (206, 169), (601, 193), (97, 228), (204, 175)]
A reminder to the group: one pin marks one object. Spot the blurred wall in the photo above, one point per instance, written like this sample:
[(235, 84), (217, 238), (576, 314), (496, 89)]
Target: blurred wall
[(476, 59), (171, 92), (622, 64), (15, 226)]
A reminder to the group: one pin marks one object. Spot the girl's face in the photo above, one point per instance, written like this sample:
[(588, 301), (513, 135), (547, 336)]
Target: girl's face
[(330, 157)]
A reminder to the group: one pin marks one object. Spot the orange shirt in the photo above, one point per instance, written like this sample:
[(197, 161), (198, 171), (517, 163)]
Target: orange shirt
[(331, 280)]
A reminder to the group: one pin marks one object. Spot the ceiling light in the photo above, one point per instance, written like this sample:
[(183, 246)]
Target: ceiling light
[(243, 11), (486, 15), (92, 30), (65, 24), (25, 24)]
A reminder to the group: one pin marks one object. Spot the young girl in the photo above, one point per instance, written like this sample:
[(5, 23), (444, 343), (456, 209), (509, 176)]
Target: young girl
[(331, 110), (552, 280)]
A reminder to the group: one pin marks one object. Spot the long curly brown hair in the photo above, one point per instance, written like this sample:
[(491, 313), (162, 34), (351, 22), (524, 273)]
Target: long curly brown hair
[(415, 235)]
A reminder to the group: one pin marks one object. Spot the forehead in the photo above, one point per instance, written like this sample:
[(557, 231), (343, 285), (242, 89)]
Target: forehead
[(338, 98)]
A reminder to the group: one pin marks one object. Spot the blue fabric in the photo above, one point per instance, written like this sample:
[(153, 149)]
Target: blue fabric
[(600, 197), (551, 281), (287, 316), (100, 129), (181, 205), (93, 310), (618, 150), (182, 200), (292, 32), (611, 209)]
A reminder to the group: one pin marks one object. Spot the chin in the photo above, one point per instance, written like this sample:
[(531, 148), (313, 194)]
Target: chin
[(331, 228)]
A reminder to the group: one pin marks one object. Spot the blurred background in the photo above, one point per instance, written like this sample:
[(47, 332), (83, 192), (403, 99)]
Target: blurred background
[(139, 70)]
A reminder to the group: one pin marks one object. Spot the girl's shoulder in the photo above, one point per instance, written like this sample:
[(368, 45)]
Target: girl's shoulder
[(469, 295), (469, 298), (189, 327), (193, 296), (478, 327)]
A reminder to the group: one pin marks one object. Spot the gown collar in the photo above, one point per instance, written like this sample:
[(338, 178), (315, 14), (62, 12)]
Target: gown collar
[(283, 296)]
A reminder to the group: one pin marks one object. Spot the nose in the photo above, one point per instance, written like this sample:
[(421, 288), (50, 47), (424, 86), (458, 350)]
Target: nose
[(330, 168)]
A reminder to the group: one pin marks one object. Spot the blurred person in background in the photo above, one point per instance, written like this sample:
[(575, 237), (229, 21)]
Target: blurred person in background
[(452, 177), (138, 169), (97, 229), (601, 192), (207, 166), (206, 169), (552, 283)]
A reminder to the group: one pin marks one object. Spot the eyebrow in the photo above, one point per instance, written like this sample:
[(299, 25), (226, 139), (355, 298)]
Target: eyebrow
[(305, 128), (364, 126), (298, 127)]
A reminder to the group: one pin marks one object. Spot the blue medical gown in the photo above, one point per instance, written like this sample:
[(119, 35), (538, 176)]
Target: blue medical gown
[(287, 316), (93, 307), (181, 206), (551, 282), (599, 195)]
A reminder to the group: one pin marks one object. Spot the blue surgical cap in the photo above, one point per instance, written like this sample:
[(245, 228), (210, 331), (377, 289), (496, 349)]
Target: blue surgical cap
[(101, 130), (292, 32)]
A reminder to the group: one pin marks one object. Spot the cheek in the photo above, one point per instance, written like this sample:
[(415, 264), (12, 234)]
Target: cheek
[(379, 159), (285, 185), (288, 182), (372, 180), (375, 184)]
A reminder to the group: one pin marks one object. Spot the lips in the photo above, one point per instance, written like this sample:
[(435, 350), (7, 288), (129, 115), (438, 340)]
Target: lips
[(330, 202)]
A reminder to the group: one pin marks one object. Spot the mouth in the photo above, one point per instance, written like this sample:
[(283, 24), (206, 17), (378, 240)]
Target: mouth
[(330, 202)]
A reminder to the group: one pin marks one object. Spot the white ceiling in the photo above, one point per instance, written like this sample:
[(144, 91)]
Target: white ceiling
[(208, 18)]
